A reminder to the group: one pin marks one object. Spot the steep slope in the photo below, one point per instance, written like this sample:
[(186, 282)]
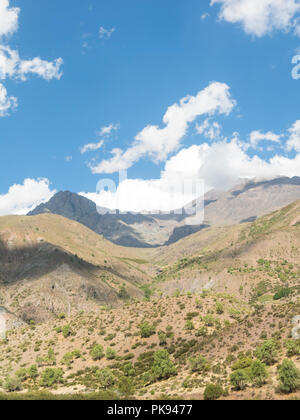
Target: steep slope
[(247, 259), (50, 264)]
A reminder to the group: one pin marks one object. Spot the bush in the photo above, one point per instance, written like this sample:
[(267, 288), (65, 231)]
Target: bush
[(12, 384), (162, 337), (282, 293), (202, 332), (189, 325), (146, 330), (22, 374), (219, 308), (162, 367), (33, 372), (258, 373), (126, 386), (66, 331), (51, 376), (293, 347), (97, 352), (242, 363), (213, 392), (106, 378), (199, 364), (110, 353), (239, 379), (267, 352), (289, 376), (50, 358), (128, 369)]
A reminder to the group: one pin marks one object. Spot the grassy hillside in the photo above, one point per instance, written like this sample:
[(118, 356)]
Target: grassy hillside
[(216, 315), (50, 265)]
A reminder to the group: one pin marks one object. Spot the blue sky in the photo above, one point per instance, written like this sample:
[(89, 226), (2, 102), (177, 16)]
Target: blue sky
[(123, 64)]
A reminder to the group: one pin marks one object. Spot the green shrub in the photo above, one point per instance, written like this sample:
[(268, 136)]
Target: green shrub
[(110, 353), (219, 308), (199, 364), (242, 363), (50, 377), (97, 352), (106, 378), (146, 329), (289, 376), (189, 325), (162, 337), (213, 392), (126, 386), (66, 331), (293, 347), (267, 352), (128, 369), (258, 373), (12, 384), (282, 293), (22, 374), (239, 379), (33, 372), (162, 367), (202, 332)]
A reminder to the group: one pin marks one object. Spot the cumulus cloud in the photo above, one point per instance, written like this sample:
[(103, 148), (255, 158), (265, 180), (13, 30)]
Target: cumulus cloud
[(8, 18), (257, 136), (20, 199), (158, 143), (220, 165), (12, 66), (210, 130), (293, 142), (7, 103), (261, 17)]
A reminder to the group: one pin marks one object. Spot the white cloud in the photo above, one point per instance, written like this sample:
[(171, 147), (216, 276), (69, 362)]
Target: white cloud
[(106, 33), (220, 165), (257, 136), (91, 147), (210, 130), (12, 66), (8, 18), (48, 70), (293, 142), (261, 17), (20, 199), (108, 129), (164, 194), (68, 158), (7, 103), (158, 143)]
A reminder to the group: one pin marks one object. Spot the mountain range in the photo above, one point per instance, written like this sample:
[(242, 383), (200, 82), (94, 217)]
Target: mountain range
[(243, 203)]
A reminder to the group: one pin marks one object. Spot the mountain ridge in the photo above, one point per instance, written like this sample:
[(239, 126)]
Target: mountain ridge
[(242, 204)]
